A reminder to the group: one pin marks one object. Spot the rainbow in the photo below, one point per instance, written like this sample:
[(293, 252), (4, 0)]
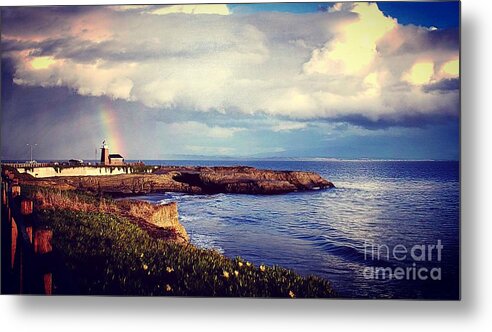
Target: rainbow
[(110, 129)]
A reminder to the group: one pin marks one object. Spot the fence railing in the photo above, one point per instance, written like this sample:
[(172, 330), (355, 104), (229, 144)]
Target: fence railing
[(64, 164), (28, 165), (27, 258)]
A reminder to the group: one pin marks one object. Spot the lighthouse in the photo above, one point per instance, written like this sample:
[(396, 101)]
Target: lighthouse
[(108, 159), (105, 154)]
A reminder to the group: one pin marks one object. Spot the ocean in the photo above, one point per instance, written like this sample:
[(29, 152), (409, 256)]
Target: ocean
[(390, 229)]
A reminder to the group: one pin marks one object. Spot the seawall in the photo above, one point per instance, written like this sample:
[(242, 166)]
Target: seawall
[(51, 171)]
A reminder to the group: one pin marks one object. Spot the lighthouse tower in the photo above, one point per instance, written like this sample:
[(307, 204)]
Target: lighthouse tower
[(105, 154)]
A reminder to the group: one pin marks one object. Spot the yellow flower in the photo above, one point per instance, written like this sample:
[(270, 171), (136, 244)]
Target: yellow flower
[(168, 288), (291, 294), (225, 274), (236, 273), (262, 268), (141, 255), (248, 263), (169, 269), (240, 264), (145, 267)]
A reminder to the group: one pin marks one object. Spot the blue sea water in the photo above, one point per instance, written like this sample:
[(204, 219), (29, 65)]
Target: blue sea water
[(336, 233)]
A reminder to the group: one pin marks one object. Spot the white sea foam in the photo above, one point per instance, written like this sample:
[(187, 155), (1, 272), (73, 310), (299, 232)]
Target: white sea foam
[(205, 241)]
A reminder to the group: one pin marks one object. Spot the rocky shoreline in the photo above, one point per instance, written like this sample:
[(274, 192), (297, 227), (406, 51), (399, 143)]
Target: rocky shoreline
[(194, 180)]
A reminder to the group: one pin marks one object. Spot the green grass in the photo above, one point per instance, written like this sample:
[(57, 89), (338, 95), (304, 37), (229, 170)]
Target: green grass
[(108, 255)]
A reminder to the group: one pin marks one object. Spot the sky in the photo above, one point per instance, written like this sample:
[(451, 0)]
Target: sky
[(286, 80)]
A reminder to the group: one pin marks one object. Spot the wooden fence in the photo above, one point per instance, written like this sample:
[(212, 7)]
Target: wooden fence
[(26, 250)]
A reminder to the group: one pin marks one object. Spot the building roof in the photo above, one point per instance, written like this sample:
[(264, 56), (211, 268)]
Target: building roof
[(115, 155)]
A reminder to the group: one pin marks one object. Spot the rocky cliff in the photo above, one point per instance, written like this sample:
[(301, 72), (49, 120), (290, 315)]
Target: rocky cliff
[(197, 180), (164, 217), (160, 221)]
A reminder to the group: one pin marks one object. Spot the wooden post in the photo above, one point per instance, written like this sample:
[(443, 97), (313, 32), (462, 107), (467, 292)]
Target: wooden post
[(13, 242), (26, 210), (5, 186), (8, 205), (13, 226), (25, 262), (7, 233), (42, 245), (16, 190), (4, 194), (26, 206)]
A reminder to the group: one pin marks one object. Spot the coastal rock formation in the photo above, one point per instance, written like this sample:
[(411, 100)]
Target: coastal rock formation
[(160, 221), (197, 180), (244, 180)]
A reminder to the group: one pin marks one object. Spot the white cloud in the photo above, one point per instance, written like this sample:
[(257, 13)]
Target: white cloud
[(289, 126), (350, 62), (209, 150), (217, 9), (94, 79), (355, 47), (124, 8), (420, 73), (192, 128)]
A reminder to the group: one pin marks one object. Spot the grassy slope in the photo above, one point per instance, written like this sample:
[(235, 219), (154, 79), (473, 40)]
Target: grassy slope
[(106, 254)]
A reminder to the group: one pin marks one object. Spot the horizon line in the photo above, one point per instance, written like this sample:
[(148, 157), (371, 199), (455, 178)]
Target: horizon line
[(205, 158)]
